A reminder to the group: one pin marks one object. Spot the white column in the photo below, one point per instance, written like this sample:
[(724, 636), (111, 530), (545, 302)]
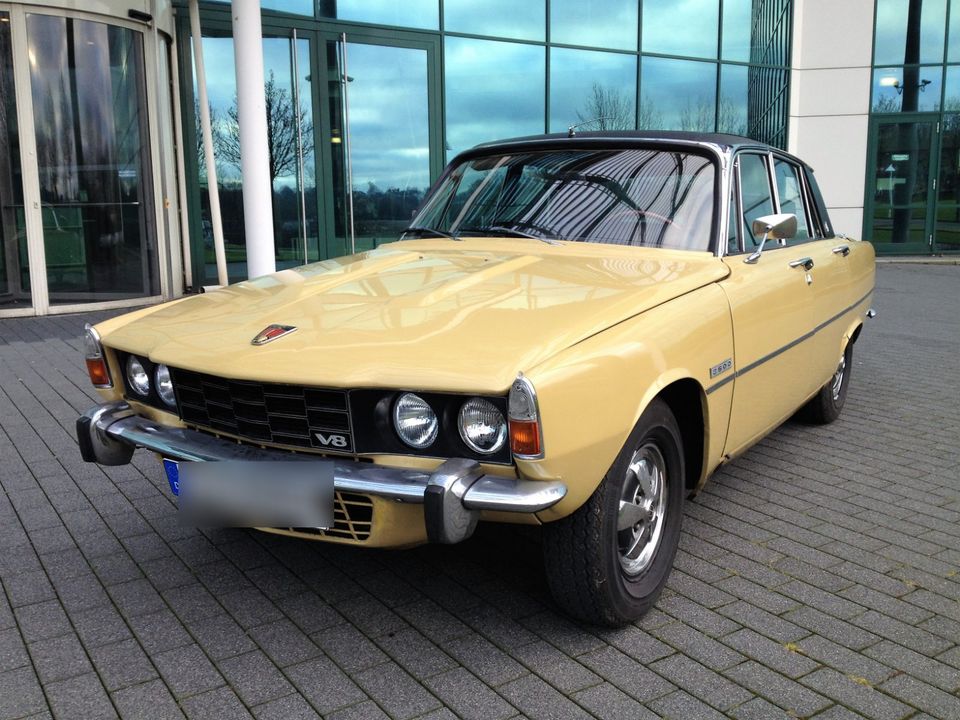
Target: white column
[(254, 149)]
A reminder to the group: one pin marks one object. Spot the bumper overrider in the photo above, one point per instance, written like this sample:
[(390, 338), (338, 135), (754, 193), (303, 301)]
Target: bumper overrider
[(452, 496)]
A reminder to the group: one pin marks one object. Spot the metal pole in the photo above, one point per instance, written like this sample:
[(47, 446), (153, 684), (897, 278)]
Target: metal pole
[(254, 144), (300, 178), (213, 188), (181, 176), (345, 79)]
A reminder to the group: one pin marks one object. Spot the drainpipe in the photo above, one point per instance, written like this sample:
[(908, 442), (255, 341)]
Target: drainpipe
[(254, 147), (213, 189)]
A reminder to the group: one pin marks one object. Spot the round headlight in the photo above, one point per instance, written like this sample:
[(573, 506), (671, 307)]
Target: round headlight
[(137, 377), (164, 384), (482, 426), (415, 421)]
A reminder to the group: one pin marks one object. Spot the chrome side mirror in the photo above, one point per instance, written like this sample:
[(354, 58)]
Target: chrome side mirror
[(780, 227)]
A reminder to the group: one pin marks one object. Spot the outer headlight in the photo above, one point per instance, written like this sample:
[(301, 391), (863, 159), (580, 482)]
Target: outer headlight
[(482, 426), (137, 376), (164, 384), (415, 421)]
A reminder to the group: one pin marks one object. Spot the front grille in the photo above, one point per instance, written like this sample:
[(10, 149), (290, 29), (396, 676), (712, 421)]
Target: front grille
[(352, 518), (291, 415)]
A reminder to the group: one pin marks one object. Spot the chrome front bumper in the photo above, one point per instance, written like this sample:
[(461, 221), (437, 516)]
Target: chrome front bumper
[(453, 495)]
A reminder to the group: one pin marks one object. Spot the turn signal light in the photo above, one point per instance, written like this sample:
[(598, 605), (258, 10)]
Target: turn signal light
[(525, 437), (96, 363), (97, 370)]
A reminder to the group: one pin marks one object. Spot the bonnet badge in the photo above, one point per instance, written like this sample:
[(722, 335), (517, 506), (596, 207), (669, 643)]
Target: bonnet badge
[(271, 333)]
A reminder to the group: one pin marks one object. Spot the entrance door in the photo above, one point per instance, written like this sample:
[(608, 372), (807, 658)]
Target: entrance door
[(383, 147), (901, 213)]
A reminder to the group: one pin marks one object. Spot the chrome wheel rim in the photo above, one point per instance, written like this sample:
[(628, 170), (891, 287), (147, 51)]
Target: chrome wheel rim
[(837, 381), (643, 504)]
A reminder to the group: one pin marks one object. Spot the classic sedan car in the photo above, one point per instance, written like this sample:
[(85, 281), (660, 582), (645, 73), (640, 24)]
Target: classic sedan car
[(575, 332)]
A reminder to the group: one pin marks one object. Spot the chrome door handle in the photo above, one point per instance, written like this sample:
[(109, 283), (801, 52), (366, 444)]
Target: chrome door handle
[(805, 262), (841, 250)]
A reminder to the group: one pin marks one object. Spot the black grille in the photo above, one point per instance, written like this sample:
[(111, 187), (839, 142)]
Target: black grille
[(292, 415)]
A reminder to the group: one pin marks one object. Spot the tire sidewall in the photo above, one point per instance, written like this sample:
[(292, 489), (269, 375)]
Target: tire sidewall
[(633, 595)]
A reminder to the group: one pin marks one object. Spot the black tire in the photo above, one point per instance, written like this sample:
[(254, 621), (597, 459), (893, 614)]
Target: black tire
[(584, 552), (825, 407)]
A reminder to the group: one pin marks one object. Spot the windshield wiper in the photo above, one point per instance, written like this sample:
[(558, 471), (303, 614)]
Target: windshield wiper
[(432, 232), (510, 232)]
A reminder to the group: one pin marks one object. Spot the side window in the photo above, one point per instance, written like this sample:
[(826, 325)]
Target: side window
[(733, 246), (790, 193), (755, 194)]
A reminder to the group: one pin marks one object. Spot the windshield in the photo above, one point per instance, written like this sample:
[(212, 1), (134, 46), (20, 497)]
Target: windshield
[(643, 197)]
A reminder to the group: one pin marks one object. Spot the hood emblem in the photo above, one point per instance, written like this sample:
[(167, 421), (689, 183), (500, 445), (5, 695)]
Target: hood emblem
[(271, 333)]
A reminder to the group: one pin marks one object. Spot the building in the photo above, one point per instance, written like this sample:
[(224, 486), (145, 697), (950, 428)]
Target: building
[(103, 186)]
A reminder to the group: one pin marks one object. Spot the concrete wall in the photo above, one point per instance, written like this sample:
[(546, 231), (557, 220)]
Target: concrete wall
[(830, 101)]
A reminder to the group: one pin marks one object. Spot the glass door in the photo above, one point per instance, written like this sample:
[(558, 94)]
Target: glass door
[(14, 263), (901, 214), (382, 145), (946, 233)]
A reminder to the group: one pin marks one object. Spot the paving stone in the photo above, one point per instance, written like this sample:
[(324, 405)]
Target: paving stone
[(59, 658), (369, 710), (759, 709), (395, 691), (415, 653), (700, 681), (79, 697), (769, 653), (42, 620), (284, 643), (774, 627), (683, 706), (148, 701), (827, 602), (557, 668), (20, 693), (776, 688), (122, 664), (484, 659), (921, 695), (536, 699), (348, 647), (696, 615), (290, 707), (187, 671), (220, 636), (919, 666), (159, 631), (215, 705), (627, 674), (607, 702), (914, 638), (700, 647), (100, 626), (324, 685), (470, 698), (856, 696), (309, 612), (839, 631), (254, 678), (13, 653)]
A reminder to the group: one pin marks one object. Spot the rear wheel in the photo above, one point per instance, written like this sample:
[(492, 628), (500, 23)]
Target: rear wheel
[(826, 405), (608, 561)]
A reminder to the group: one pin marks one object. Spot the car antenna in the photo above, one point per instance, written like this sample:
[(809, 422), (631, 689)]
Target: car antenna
[(572, 130)]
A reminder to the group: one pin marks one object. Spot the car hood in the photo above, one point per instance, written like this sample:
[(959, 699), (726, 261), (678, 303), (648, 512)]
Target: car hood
[(427, 314)]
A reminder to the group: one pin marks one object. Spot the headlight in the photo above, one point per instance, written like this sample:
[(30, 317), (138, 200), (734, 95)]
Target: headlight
[(137, 377), (164, 384), (482, 426), (415, 421)]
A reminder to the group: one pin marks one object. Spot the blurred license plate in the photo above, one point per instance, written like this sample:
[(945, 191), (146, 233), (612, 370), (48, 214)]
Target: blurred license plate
[(253, 494)]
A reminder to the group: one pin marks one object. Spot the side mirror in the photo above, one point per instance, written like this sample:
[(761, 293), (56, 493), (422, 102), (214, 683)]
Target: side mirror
[(780, 227)]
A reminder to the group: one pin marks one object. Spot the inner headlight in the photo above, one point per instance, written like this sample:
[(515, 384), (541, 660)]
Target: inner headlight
[(164, 385), (137, 376), (415, 421), (482, 426)]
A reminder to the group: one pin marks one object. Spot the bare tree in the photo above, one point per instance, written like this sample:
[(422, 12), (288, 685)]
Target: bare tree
[(698, 118), (282, 135), (731, 117), (650, 118), (215, 129), (607, 109)]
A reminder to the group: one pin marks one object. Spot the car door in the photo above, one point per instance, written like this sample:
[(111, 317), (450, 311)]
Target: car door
[(772, 308)]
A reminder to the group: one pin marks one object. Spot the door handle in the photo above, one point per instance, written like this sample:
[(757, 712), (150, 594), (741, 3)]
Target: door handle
[(805, 262), (841, 250)]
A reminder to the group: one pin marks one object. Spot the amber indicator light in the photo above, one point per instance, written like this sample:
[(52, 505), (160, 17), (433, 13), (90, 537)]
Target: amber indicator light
[(524, 437), (97, 369)]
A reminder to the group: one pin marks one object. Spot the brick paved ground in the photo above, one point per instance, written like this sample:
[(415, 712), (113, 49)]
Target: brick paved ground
[(817, 575)]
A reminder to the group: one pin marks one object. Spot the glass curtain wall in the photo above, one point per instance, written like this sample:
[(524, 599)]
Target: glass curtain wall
[(913, 183), (87, 85), (14, 265)]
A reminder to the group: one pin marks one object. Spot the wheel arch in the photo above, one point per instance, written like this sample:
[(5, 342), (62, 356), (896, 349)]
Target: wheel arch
[(688, 403)]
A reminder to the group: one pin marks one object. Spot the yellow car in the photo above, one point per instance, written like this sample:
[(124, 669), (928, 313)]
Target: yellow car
[(575, 332)]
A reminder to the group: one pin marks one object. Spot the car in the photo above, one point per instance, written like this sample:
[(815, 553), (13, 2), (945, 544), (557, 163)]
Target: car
[(575, 331)]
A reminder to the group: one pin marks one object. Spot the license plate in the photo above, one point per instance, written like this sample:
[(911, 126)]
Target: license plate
[(267, 493)]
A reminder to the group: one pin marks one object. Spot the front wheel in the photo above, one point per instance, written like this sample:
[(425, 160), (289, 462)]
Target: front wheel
[(608, 561), (825, 406)]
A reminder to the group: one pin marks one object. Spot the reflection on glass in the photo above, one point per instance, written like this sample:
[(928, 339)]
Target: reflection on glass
[(732, 106), (909, 89), (499, 18), (678, 94), (947, 229), (951, 91), (588, 86), (790, 194), (410, 13), (595, 23), (14, 267), (737, 22), (494, 90), (639, 197), (681, 27), (901, 171), (292, 156), (755, 196), (953, 47), (909, 31), (87, 83), (389, 139), (294, 7)]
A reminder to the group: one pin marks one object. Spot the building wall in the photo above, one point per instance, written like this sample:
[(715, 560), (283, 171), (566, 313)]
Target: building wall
[(830, 101)]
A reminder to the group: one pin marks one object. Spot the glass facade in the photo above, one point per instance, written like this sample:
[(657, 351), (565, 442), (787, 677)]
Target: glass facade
[(912, 202)]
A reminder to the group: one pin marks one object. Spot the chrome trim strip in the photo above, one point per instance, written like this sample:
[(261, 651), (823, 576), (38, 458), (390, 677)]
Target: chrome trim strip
[(792, 343), (112, 421)]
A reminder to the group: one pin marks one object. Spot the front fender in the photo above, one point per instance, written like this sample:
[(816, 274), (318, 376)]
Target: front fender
[(592, 394)]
